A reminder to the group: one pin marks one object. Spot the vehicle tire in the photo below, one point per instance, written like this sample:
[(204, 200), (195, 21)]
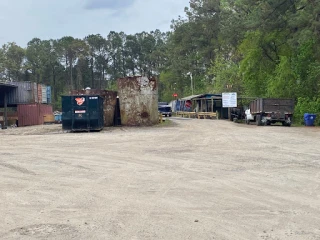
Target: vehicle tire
[(286, 124), (258, 120), (165, 115), (268, 123)]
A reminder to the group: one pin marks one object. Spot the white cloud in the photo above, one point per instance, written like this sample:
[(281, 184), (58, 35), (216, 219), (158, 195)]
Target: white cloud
[(22, 20)]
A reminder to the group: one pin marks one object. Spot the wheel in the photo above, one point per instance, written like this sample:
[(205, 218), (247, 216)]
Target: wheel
[(165, 115), (268, 123), (285, 124), (258, 120)]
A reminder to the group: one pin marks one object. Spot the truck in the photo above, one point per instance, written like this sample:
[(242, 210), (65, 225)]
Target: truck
[(267, 111), (165, 109)]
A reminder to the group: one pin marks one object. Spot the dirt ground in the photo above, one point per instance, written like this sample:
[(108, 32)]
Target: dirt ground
[(192, 179)]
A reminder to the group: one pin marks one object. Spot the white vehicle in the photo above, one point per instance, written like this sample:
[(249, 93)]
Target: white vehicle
[(249, 117)]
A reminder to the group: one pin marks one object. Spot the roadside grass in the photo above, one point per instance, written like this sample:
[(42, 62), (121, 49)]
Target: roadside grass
[(166, 123)]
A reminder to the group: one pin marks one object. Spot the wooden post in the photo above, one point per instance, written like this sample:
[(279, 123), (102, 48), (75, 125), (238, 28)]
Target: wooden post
[(212, 105), (229, 114)]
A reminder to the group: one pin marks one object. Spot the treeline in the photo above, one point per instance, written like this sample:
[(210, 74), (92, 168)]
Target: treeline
[(95, 61), (258, 48)]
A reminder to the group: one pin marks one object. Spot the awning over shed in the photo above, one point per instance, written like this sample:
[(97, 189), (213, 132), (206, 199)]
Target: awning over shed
[(6, 87), (192, 97)]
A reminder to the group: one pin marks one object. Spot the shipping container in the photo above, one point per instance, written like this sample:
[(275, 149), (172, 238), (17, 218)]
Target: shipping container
[(32, 114), (82, 113), (49, 101), (35, 92), (24, 93), (44, 98), (109, 102), (138, 98), (39, 89)]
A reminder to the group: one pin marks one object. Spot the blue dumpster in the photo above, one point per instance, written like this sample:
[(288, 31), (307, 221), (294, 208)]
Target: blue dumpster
[(309, 119)]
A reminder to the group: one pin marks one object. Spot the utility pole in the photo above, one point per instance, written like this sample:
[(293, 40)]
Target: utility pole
[(190, 74)]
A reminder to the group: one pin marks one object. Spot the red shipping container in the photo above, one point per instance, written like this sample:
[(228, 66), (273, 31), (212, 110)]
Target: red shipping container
[(32, 114)]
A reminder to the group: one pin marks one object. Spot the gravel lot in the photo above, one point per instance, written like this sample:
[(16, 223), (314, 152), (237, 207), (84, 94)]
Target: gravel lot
[(191, 179)]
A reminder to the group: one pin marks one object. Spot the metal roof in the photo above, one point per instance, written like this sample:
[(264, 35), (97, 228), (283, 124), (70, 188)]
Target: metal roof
[(6, 88), (192, 97), (7, 85)]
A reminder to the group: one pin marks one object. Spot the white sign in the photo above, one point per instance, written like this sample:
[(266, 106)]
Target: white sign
[(229, 100), (80, 111)]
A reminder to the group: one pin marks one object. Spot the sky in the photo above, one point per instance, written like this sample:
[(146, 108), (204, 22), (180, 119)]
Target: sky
[(22, 20)]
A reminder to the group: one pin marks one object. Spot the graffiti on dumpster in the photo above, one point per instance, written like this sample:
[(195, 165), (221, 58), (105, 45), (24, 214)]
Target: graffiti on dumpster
[(80, 101)]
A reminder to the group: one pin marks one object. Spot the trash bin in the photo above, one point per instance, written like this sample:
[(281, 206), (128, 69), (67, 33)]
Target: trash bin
[(309, 119), (58, 118)]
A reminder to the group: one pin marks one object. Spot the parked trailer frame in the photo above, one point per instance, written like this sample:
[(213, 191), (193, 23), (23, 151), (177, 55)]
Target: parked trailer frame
[(267, 111)]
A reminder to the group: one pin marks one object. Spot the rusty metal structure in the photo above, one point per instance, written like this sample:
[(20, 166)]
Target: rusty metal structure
[(22, 103), (109, 102), (138, 98), (33, 114)]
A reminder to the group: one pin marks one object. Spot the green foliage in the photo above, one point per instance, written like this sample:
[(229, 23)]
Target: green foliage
[(96, 62), (12, 57), (307, 105), (258, 48), (226, 75), (168, 85), (283, 83)]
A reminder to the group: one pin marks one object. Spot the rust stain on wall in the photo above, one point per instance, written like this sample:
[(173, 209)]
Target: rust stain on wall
[(138, 98)]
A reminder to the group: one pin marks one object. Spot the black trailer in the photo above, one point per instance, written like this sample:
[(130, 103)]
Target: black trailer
[(267, 111), (82, 113)]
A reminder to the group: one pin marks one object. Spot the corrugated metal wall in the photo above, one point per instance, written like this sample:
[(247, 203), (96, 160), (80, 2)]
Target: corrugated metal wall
[(35, 92), (39, 89), (32, 114), (138, 101), (28, 93), (28, 115), (49, 94), (44, 94), (24, 93)]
